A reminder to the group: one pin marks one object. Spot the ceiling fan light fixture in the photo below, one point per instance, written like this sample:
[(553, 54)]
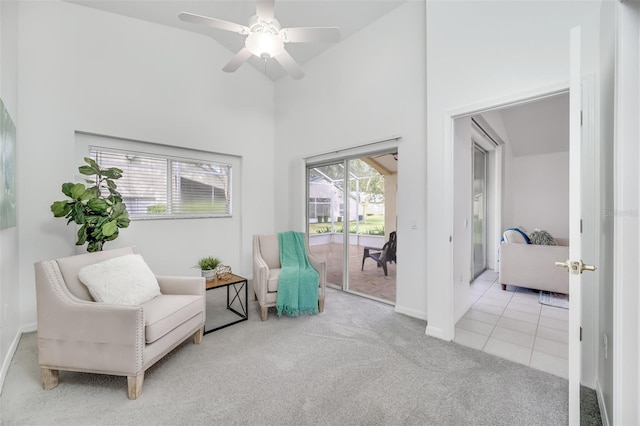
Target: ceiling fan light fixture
[(264, 45)]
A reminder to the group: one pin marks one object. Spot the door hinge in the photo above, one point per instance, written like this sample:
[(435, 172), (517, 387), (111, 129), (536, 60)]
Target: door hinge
[(581, 117), (581, 334), (581, 226)]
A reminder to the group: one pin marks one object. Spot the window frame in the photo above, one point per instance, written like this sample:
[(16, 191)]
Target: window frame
[(88, 142)]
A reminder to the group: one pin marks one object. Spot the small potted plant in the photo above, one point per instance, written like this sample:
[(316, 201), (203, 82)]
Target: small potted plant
[(207, 266)]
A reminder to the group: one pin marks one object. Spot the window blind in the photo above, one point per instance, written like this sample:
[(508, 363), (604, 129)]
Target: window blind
[(155, 186)]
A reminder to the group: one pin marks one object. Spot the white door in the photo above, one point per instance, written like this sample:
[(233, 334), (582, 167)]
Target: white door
[(574, 264)]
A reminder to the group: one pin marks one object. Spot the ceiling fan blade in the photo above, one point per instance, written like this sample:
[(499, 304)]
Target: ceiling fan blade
[(264, 10), (213, 22), (290, 65), (237, 60), (310, 34)]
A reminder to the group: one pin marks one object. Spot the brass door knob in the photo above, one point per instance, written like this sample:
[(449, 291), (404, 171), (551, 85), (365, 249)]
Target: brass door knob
[(576, 268)]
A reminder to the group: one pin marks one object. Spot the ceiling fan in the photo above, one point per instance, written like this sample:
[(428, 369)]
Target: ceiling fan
[(266, 38)]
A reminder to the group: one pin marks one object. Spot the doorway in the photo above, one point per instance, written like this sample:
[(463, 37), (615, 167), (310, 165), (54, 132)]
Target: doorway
[(351, 212), (513, 323)]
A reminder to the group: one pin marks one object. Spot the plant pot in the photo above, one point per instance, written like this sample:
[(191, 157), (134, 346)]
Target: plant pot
[(209, 274)]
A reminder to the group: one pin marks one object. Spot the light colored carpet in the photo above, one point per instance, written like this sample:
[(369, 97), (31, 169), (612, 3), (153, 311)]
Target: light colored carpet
[(358, 363)]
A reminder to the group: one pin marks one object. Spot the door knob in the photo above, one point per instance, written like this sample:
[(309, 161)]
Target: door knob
[(576, 268)]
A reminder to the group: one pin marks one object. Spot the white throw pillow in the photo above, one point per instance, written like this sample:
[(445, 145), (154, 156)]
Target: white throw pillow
[(124, 280)]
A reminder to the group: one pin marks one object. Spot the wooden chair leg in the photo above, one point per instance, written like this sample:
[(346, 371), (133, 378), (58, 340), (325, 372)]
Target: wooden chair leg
[(134, 384), (263, 312), (49, 378), (197, 336), (321, 305)]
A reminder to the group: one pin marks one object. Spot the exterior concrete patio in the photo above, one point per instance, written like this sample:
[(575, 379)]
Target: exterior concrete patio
[(370, 282)]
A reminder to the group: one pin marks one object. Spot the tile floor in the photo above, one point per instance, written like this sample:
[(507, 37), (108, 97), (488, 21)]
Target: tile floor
[(512, 324)]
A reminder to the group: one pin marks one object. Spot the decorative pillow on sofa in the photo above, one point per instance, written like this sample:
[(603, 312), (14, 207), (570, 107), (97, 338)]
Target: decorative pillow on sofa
[(515, 235), (541, 237), (124, 280)]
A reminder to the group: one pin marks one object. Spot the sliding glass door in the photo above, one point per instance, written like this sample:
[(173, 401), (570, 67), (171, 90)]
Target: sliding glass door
[(479, 236), (325, 213), (348, 217)]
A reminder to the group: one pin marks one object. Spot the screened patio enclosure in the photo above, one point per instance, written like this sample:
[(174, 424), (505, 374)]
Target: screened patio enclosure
[(351, 205)]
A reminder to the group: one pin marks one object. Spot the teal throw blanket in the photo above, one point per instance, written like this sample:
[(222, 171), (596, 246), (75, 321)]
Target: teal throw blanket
[(298, 281)]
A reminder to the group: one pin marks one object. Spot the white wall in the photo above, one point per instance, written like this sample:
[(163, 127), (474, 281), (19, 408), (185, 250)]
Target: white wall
[(538, 193), (88, 70), (462, 215), (368, 87), (9, 284), (472, 64)]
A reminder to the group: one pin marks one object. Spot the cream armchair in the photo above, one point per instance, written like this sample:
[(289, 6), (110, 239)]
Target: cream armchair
[(266, 269), (75, 333)]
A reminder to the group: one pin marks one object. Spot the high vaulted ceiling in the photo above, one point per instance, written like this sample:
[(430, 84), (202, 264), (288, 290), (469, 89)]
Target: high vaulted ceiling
[(348, 15), (537, 127)]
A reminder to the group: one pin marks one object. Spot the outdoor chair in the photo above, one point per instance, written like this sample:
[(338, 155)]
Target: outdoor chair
[(382, 255)]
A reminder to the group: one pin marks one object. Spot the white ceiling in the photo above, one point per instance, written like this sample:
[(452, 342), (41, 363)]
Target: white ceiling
[(348, 15), (538, 127)]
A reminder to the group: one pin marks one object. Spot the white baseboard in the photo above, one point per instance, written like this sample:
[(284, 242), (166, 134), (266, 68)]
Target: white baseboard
[(435, 332), (7, 360), (29, 328), (603, 409), (411, 312)]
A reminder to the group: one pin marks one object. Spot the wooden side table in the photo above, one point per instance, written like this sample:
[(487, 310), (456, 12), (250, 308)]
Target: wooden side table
[(237, 283)]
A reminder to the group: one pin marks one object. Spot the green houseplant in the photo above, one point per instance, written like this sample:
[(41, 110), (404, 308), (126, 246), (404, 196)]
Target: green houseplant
[(98, 209), (207, 266)]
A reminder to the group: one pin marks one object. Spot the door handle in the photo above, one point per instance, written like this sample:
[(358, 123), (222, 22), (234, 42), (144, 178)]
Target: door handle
[(576, 268)]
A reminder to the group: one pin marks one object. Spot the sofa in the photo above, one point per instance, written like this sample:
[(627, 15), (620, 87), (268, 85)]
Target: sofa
[(533, 265), (78, 333)]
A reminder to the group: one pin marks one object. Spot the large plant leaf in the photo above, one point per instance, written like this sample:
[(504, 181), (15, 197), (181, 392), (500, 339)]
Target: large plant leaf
[(112, 173), (123, 221), (77, 190), (97, 205), (113, 237), (95, 169), (110, 228), (60, 208), (66, 188), (92, 192), (77, 213), (87, 170), (82, 235)]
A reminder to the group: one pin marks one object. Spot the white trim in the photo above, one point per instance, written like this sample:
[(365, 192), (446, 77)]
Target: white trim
[(354, 150), (626, 297), (411, 312), (6, 362), (515, 99), (436, 332), (603, 408)]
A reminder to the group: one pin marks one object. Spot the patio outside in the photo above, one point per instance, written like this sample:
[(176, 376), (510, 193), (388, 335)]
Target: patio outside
[(362, 210)]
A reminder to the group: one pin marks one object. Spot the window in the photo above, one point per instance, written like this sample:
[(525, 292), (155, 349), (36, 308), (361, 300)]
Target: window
[(158, 186)]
